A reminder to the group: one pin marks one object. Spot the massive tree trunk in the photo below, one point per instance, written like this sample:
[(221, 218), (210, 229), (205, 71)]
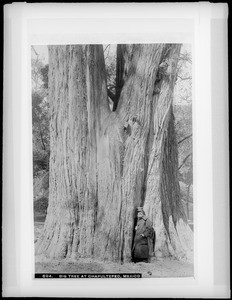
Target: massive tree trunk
[(104, 164), (162, 192)]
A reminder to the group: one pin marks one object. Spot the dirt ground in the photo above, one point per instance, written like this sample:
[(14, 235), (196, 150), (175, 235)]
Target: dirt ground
[(157, 268)]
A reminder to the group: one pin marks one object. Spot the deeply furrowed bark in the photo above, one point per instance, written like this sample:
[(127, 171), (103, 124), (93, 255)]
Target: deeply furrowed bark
[(121, 157), (66, 181), (162, 197), (77, 98), (104, 164), (174, 219)]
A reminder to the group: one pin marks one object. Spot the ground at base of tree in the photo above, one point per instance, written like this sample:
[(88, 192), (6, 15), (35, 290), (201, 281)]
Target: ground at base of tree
[(157, 267)]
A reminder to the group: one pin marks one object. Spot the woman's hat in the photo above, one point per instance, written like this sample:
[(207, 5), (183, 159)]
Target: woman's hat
[(140, 209)]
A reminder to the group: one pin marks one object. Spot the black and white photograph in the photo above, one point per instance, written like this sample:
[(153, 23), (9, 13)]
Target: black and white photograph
[(115, 153), (112, 159)]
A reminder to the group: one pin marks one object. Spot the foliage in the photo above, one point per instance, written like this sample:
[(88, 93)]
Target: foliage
[(41, 185), (40, 116), (183, 115), (44, 73), (40, 205), (183, 118), (110, 65), (40, 122), (110, 74), (183, 86)]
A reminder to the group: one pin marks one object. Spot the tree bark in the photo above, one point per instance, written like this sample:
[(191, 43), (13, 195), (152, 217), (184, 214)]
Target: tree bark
[(78, 104), (188, 200), (104, 164), (162, 197)]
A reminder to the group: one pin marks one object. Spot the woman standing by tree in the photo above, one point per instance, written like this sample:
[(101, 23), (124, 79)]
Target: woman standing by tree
[(144, 240)]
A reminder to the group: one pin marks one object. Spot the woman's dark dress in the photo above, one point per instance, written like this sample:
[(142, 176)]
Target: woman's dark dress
[(141, 248)]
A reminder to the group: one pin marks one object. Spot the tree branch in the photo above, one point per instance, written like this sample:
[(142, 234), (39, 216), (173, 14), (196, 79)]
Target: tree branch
[(111, 95), (111, 86), (37, 55), (184, 78), (106, 47), (185, 138), (186, 201), (183, 162), (185, 57), (41, 137)]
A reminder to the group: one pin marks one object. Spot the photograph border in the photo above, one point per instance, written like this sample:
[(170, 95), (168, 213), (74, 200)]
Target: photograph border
[(25, 27)]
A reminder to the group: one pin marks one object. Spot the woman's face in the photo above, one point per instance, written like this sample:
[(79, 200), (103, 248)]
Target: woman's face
[(140, 215)]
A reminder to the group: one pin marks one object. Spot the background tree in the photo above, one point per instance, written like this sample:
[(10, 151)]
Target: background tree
[(183, 125), (40, 127), (103, 163), (110, 66)]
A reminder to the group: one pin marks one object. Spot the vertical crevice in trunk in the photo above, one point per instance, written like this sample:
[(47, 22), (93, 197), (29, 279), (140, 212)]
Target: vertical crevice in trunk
[(120, 65), (179, 231), (124, 53), (170, 190), (121, 152), (175, 221)]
